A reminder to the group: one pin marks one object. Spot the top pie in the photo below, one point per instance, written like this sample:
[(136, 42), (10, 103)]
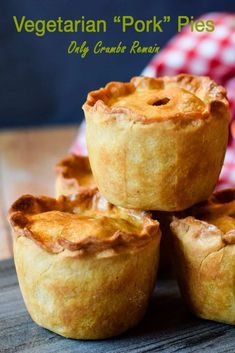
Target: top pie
[(157, 143)]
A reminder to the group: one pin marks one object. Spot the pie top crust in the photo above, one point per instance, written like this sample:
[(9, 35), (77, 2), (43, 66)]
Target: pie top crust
[(148, 99), (85, 223), (76, 171), (216, 216)]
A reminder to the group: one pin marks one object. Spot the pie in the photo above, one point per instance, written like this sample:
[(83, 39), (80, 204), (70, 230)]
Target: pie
[(157, 143), (73, 173), (205, 257), (86, 268)]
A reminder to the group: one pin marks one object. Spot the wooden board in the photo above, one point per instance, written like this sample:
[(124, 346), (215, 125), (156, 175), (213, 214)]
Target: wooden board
[(27, 159), (167, 327)]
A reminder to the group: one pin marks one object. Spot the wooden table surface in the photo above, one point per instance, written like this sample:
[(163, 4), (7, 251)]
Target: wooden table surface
[(27, 159)]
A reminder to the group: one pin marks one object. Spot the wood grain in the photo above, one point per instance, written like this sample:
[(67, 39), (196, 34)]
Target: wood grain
[(167, 327), (27, 159)]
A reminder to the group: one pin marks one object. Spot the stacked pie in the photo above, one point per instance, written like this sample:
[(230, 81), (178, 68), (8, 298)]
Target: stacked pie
[(86, 268), (87, 260), (157, 143), (205, 256)]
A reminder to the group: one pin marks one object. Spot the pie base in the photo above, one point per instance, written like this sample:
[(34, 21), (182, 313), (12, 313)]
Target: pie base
[(86, 297)]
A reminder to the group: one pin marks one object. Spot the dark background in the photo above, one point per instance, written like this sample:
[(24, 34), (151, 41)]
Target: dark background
[(41, 84)]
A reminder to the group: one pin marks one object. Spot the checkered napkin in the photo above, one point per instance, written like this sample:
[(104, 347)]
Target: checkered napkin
[(200, 53)]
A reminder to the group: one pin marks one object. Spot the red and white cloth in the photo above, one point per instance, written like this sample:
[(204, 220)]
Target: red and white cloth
[(200, 53)]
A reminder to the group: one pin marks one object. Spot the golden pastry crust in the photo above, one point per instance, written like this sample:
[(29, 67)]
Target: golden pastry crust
[(84, 222), (218, 210), (205, 257), (148, 99), (73, 174), (85, 281), (157, 143)]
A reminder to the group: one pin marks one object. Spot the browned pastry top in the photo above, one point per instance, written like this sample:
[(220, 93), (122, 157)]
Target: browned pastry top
[(85, 222), (219, 214), (154, 99)]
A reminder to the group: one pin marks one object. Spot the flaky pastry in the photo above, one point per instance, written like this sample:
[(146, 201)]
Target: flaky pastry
[(205, 257), (157, 143), (86, 268), (73, 174)]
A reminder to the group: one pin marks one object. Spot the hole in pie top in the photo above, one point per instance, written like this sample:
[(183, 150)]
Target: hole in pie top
[(161, 101), (156, 103)]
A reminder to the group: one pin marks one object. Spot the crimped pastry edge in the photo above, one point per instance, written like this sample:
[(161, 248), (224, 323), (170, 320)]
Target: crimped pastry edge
[(65, 165), (212, 94), (117, 242), (189, 217), (203, 229)]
